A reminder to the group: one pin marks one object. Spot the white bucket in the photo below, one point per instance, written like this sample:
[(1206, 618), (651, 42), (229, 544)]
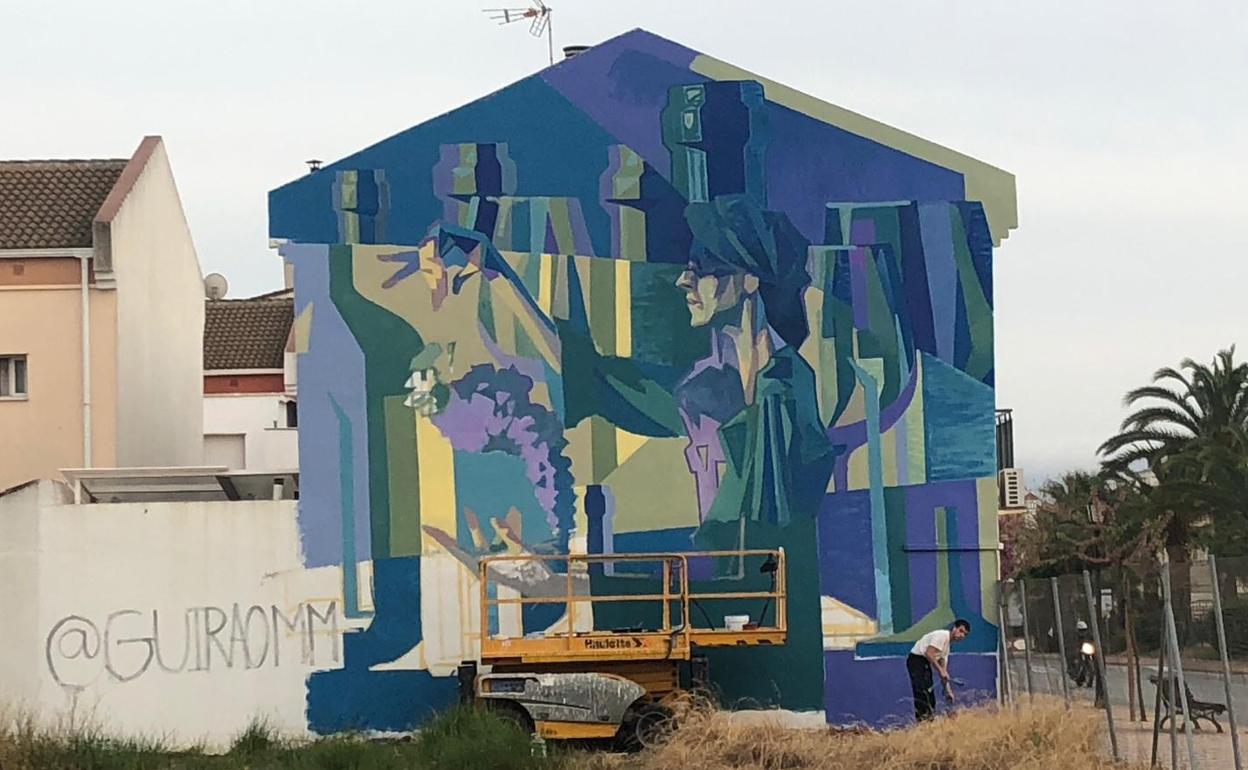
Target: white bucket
[(735, 622)]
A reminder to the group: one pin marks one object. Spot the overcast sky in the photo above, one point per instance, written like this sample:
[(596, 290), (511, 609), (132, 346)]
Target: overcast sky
[(1126, 124)]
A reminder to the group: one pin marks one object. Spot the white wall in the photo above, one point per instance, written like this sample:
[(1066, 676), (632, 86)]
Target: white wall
[(83, 585), (267, 448), (19, 540), (160, 324)]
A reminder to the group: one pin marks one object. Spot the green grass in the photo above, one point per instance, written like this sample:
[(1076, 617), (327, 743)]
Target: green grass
[(255, 740), (459, 739)]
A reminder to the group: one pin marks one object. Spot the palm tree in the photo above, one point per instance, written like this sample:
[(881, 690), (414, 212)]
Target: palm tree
[(1187, 432), (1192, 402), (1072, 491), (1066, 530), (1190, 432), (1209, 477)]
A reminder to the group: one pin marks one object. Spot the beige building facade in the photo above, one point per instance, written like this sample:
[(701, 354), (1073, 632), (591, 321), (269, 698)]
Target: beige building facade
[(101, 317)]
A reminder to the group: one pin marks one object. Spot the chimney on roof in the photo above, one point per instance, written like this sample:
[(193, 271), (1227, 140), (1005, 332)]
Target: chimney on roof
[(572, 50), (314, 165)]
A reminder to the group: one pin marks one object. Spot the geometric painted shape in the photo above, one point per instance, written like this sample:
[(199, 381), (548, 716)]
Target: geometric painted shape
[(958, 423)]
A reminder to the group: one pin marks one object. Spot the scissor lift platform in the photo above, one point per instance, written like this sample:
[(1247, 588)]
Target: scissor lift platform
[(676, 636)]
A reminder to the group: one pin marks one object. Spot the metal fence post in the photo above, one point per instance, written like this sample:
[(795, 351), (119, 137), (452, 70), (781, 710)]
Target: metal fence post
[(1022, 595), (1226, 659), (1178, 667), (1007, 691), (1093, 612), (1161, 670), (1061, 640), (1174, 716)]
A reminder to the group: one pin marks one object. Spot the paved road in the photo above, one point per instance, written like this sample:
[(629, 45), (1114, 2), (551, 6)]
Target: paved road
[(1046, 673)]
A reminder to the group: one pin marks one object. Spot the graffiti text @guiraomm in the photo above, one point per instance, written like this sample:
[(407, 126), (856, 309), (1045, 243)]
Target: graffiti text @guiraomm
[(128, 643)]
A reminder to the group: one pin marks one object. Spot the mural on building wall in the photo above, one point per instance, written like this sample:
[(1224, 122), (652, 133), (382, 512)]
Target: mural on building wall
[(631, 304)]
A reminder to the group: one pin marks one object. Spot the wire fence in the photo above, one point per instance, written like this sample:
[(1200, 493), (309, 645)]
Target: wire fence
[(1105, 639)]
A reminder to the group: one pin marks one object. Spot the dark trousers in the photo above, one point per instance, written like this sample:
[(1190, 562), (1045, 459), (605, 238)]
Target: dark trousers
[(920, 670)]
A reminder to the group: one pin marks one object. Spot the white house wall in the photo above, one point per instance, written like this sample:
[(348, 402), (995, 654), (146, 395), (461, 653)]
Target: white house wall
[(160, 324), (19, 604), (268, 448)]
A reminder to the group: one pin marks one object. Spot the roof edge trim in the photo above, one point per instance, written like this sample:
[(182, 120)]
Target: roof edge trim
[(129, 175), (101, 226), (75, 252)]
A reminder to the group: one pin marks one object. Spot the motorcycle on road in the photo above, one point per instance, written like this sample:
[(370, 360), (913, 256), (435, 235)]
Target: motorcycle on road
[(1082, 667)]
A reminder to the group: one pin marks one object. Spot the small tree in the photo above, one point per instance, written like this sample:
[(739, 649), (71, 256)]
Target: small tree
[(1087, 521)]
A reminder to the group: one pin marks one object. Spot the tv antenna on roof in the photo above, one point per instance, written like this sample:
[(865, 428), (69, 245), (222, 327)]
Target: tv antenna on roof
[(538, 15)]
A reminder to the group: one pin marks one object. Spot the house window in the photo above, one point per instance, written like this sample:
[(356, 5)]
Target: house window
[(12, 376), (292, 414)]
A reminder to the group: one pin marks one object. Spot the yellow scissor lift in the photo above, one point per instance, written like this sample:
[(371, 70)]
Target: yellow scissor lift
[(575, 681)]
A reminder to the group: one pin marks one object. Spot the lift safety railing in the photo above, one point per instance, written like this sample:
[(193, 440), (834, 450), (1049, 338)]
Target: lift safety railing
[(678, 631)]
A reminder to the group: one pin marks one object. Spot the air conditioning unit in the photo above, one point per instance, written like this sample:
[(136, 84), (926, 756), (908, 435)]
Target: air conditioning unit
[(1010, 484)]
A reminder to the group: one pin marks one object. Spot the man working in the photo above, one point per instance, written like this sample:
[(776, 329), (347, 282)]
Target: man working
[(932, 651)]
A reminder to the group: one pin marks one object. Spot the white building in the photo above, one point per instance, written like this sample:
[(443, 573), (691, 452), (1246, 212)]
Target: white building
[(100, 317), (250, 413)]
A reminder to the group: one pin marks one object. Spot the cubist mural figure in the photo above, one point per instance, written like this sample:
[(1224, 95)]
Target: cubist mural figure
[(643, 301)]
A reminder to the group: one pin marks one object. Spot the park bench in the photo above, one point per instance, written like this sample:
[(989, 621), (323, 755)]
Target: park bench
[(1199, 709)]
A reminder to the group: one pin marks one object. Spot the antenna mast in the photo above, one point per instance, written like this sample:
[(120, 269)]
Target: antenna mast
[(538, 14)]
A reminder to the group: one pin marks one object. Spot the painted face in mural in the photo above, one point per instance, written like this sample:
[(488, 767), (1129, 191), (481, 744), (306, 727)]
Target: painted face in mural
[(709, 293), (742, 253)]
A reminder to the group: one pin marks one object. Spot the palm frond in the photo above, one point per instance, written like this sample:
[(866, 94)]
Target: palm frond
[(1170, 373), (1165, 395), (1154, 416), (1133, 435)]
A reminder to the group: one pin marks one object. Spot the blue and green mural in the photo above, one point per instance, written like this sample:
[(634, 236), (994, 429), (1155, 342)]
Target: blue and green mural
[(643, 301)]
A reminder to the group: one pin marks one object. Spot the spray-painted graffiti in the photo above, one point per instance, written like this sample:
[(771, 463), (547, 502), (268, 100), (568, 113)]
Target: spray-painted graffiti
[(128, 643), (635, 303)]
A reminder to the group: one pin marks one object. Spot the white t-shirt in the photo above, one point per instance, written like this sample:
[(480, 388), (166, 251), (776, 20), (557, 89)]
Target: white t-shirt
[(938, 639)]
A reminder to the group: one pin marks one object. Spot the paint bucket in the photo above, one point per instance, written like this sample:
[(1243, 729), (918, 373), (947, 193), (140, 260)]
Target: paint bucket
[(735, 622)]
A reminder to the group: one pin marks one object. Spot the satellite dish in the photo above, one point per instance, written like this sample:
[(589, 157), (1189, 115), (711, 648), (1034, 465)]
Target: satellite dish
[(215, 286)]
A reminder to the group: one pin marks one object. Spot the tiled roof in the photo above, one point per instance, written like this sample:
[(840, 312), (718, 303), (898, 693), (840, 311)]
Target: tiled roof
[(247, 333), (50, 204)]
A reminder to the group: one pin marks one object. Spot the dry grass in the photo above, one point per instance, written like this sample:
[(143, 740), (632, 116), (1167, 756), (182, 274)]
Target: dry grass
[(1037, 738), (1042, 737)]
